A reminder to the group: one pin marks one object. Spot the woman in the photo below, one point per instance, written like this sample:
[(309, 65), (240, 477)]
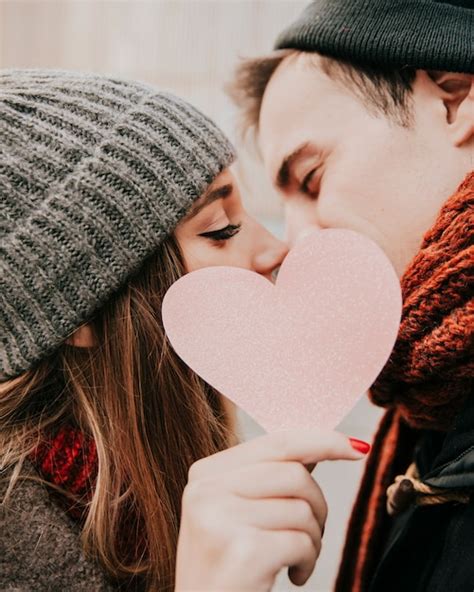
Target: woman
[(111, 446)]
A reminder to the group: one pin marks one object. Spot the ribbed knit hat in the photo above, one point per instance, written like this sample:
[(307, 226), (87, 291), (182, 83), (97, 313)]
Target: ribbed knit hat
[(425, 34), (94, 173)]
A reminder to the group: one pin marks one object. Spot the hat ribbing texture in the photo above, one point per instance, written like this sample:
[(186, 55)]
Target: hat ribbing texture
[(425, 34), (95, 173)]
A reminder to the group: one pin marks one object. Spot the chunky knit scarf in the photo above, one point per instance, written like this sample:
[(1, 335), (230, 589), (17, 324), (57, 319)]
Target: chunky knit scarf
[(426, 380)]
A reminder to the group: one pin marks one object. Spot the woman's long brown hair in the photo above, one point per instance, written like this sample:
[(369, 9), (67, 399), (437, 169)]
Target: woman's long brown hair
[(150, 417)]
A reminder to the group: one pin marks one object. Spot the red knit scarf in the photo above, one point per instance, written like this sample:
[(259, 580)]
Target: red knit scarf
[(68, 460), (427, 379)]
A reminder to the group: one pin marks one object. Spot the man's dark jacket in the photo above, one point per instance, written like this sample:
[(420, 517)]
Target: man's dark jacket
[(431, 548)]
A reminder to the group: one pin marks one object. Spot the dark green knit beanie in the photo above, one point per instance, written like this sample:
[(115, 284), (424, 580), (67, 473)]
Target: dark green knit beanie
[(424, 34), (94, 173)]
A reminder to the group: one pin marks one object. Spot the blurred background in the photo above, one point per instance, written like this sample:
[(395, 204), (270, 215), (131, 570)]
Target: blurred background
[(190, 47)]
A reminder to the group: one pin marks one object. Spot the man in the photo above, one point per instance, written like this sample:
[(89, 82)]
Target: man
[(364, 117)]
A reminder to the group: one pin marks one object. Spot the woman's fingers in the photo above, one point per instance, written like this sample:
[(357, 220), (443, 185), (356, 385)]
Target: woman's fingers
[(256, 504), (307, 446), (277, 480), (280, 514), (295, 550)]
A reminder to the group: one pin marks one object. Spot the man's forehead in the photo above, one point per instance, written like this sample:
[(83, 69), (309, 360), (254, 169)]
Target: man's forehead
[(298, 77), (282, 143), (288, 103)]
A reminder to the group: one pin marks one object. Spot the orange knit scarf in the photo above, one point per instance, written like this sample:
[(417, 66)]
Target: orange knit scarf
[(427, 379)]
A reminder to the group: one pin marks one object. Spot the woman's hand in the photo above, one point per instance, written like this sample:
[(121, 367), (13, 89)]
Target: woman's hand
[(252, 509)]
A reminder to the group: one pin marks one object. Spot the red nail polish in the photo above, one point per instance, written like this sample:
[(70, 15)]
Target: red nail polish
[(359, 445)]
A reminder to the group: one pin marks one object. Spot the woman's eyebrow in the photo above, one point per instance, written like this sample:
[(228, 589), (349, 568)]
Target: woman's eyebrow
[(209, 197), (283, 176)]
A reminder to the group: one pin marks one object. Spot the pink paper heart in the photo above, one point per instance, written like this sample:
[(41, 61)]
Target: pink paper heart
[(301, 352)]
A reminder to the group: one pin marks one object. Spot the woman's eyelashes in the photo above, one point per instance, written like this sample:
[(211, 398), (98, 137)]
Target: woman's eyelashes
[(222, 234)]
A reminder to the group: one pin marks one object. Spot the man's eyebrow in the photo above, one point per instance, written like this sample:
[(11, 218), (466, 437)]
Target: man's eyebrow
[(283, 175), (209, 197)]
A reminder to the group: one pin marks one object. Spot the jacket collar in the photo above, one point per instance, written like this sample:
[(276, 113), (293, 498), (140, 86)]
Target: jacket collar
[(453, 467)]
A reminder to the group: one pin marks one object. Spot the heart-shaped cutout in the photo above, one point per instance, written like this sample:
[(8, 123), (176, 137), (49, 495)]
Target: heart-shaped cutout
[(298, 353)]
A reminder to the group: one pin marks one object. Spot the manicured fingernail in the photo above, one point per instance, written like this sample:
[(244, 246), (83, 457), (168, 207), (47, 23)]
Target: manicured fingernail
[(359, 445)]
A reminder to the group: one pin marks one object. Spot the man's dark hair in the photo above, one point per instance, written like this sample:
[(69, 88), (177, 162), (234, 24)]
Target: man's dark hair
[(381, 89)]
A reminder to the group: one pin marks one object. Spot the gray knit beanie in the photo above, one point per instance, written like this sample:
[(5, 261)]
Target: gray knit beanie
[(425, 34), (94, 173)]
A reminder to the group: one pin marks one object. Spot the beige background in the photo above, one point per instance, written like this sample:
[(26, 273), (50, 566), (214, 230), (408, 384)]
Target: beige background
[(189, 47)]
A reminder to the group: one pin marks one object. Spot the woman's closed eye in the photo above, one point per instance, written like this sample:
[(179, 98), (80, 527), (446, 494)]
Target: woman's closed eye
[(223, 233)]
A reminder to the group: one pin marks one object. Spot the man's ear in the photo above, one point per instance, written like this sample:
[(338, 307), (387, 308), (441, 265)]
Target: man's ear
[(82, 337), (457, 93)]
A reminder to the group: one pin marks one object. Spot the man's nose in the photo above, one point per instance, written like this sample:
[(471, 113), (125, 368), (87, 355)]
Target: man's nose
[(300, 219), (270, 256)]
